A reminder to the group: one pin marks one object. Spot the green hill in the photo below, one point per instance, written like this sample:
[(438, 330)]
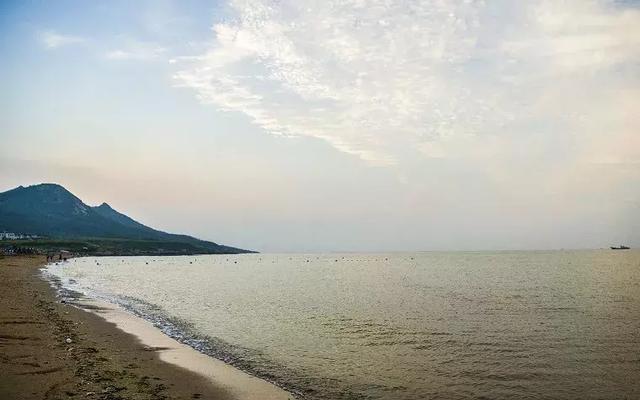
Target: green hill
[(52, 211)]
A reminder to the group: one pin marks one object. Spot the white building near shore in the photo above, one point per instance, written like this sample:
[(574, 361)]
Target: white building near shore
[(15, 236)]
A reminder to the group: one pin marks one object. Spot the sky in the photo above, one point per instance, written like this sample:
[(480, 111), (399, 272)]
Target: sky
[(309, 126)]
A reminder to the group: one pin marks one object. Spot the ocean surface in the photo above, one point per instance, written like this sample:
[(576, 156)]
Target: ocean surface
[(433, 325)]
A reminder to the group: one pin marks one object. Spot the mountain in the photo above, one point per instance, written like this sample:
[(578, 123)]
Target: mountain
[(122, 220), (51, 210)]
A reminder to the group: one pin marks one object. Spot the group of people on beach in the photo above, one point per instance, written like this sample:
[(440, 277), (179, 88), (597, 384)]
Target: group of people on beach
[(62, 255)]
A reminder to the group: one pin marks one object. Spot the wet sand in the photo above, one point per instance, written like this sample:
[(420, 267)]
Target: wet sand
[(53, 350)]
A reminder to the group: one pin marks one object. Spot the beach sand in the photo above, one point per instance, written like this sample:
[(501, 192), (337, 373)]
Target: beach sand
[(101, 361)]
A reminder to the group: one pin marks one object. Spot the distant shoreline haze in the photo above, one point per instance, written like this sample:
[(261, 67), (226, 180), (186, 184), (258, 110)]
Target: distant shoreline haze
[(59, 219)]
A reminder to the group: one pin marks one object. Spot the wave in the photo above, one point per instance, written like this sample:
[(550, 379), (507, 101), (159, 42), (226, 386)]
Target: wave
[(251, 361)]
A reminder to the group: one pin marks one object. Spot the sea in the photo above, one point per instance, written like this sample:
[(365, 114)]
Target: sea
[(426, 325)]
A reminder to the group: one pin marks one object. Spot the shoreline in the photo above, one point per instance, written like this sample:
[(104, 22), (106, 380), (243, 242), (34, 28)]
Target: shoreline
[(51, 349)]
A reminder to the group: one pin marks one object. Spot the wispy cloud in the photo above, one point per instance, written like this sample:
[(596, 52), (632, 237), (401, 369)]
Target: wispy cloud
[(383, 79), (53, 40), (125, 48), (137, 51)]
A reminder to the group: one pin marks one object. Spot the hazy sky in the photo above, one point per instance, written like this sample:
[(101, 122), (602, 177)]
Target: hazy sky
[(334, 125)]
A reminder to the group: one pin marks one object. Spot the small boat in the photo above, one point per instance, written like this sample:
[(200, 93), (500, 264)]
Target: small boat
[(621, 247)]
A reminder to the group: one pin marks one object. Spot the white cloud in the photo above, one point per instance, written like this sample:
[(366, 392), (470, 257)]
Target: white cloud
[(384, 79), (137, 51), (53, 40)]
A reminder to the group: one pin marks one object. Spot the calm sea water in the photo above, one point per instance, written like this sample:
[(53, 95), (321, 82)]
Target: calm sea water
[(504, 325)]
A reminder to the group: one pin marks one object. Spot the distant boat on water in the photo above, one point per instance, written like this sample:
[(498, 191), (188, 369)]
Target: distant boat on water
[(621, 247)]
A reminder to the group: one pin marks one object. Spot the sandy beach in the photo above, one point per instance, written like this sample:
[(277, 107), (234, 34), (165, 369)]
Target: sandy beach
[(54, 350)]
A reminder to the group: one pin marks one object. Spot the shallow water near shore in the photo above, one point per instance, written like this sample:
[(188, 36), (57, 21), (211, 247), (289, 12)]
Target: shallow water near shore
[(560, 324)]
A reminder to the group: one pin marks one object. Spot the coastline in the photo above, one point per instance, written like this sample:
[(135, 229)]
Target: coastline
[(110, 353)]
